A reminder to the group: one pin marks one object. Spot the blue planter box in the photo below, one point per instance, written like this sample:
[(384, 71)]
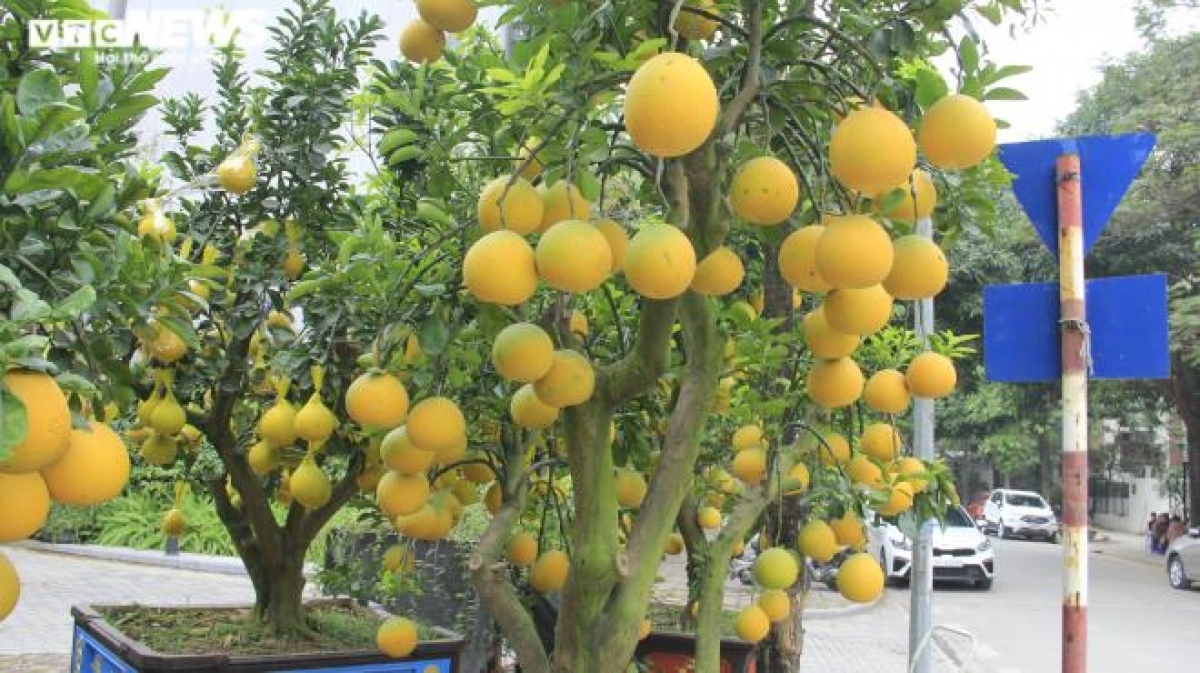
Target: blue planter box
[(97, 647)]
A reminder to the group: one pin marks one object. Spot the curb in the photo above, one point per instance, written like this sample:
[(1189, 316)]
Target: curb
[(223, 565), (848, 611)]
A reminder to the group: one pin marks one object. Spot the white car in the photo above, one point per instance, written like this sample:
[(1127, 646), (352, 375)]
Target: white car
[(1011, 513), (960, 551)]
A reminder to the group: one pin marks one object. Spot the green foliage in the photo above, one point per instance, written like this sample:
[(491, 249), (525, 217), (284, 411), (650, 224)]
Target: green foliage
[(135, 521)]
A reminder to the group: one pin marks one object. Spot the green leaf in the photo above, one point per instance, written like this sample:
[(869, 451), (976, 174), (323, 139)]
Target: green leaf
[(968, 55), (88, 78), (26, 345), (39, 89), (74, 383), (14, 422), (930, 87), (1004, 93), (434, 335), (78, 301), (9, 279), (28, 307)]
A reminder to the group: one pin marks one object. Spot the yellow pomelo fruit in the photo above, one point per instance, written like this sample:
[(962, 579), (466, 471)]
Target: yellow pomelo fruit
[(908, 468), (776, 604), (168, 416), (494, 497), (578, 323), (263, 458), (421, 42), (549, 573), (887, 392), (377, 400), (451, 453), (849, 530), (293, 264), (499, 268), (563, 201), (534, 168), (719, 273), (671, 105), (660, 261), (872, 150), (864, 472), (752, 624), (797, 479), (159, 449), (750, 466), (569, 382), (617, 239), (834, 384), (399, 454), (309, 485), (764, 191), (157, 227), (644, 627), (94, 469), (817, 541), (174, 523), (522, 550), (900, 499), (709, 518), (522, 352), (920, 198), (691, 26), (401, 494), (529, 411), (48, 421), (919, 271), (314, 422), (478, 473), (854, 252), (517, 207), (573, 256), (931, 375), (10, 587), (465, 492), (236, 174), (436, 424), (396, 557), (824, 341), (397, 637), (776, 569), (835, 450), (631, 488), (25, 503), (675, 544), (452, 16), (748, 437), (957, 132), (860, 578), (278, 424), (798, 259), (165, 345), (745, 308), (881, 441), (858, 311)]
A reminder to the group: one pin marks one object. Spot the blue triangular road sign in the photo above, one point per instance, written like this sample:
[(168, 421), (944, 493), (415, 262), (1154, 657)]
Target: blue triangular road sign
[(1108, 165)]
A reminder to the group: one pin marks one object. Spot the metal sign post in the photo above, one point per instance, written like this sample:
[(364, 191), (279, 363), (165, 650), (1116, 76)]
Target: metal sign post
[(920, 623)]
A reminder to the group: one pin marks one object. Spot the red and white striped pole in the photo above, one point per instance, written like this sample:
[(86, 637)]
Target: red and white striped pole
[(1075, 363)]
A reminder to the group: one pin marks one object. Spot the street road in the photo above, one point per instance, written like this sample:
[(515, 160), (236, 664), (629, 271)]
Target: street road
[(1136, 621)]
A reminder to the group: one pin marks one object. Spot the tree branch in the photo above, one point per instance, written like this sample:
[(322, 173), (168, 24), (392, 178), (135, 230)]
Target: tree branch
[(751, 77)]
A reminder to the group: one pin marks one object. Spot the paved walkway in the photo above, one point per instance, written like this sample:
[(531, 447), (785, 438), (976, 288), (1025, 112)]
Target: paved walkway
[(1125, 546)]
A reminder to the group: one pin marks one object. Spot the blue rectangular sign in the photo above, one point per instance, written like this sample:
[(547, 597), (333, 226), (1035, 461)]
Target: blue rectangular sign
[(1127, 316)]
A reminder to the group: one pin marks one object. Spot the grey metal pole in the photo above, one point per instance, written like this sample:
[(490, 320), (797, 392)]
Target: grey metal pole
[(920, 625)]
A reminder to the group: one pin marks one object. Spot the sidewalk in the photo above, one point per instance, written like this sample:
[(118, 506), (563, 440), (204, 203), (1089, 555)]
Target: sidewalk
[(1125, 546)]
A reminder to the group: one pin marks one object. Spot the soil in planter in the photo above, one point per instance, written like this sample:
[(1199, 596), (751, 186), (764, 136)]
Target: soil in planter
[(665, 618), (236, 631)]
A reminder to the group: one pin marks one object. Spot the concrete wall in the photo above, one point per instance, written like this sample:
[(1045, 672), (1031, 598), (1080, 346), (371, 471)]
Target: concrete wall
[(1145, 496)]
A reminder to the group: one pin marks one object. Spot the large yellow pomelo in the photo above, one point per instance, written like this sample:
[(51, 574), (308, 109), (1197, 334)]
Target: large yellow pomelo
[(436, 424), (872, 150), (752, 624), (399, 454), (377, 400), (421, 42), (530, 412), (278, 424), (817, 541), (764, 191), (517, 207), (25, 504), (10, 587), (957, 132), (849, 530), (549, 573), (401, 494), (835, 450), (931, 375), (854, 252), (263, 458), (671, 105), (858, 311), (660, 262), (569, 382), (719, 273), (860, 578), (499, 268), (48, 421), (563, 201), (309, 485), (887, 392), (824, 341), (617, 239), (881, 441), (94, 469), (834, 384), (522, 352), (573, 256), (776, 568), (397, 637), (798, 259), (920, 269), (452, 16), (920, 198)]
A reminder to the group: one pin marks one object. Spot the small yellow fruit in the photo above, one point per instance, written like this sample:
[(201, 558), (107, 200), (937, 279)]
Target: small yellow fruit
[(931, 375), (908, 467), (900, 499), (573, 256), (860, 579), (452, 16), (912, 208), (957, 132), (529, 411), (858, 311), (421, 42), (522, 550), (278, 424), (159, 449), (797, 479), (25, 502), (522, 352), (709, 518), (864, 472), (617, 239), (834, 451), (660, 262), (764, 191), (499, 268), (692, 26), (578, 323), (872, 150), (94, 469), (776, 604), (168, 417), (887, 392), (494, 497), (436, 424), (798, 259), (397, 557), (644, 627), (377, 400), (631, 488), (919, 271), (10, 587), (549, 573), (824, 341), (817, 541), (671, 105), (401, 494), (48, 421), (310, 485), (849, 530), (563, 201), (517, 207), (776, 568), (748, 437), (293, 263), (675, 544), (399, 454), (834, 384), (719, 273), (165, 345), (752, 624), (750, 466), (263, 458), (534, 168), (569, 382), (854, 252), (174, 523), (157, 227), (236, 174), (397, 637), (314, 422), (881, 441)]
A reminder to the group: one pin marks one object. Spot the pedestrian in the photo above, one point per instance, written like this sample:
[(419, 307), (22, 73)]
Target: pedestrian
[(1175, 528), (1159, 533), (1150, 532)]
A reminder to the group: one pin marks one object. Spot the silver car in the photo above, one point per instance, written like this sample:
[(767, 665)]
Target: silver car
[(1183, 560)]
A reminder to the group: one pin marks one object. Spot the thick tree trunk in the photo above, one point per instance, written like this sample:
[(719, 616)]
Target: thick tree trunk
[(279, 601), (1185, 384)]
